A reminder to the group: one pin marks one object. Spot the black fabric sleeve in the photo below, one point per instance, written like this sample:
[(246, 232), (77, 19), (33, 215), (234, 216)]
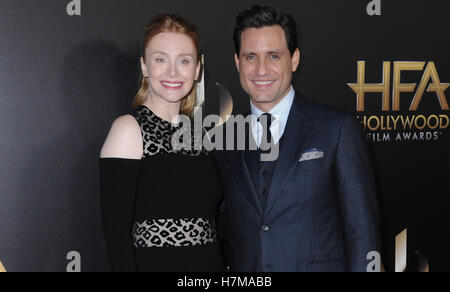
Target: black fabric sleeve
[(358, 196), (118, 183)]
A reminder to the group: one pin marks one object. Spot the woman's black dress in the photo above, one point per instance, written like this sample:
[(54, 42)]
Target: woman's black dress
[(159, 212)]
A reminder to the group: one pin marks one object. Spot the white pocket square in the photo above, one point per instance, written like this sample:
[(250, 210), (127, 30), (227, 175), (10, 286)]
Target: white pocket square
[(311, 155)]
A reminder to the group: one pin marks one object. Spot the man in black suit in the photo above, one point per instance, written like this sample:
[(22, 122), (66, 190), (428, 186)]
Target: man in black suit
[(313, 208)]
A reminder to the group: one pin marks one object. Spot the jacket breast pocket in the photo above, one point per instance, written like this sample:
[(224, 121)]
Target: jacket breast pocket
[(314, 164)]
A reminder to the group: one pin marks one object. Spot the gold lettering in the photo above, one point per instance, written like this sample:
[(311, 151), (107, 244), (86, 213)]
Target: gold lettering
[(408, 121), (388, 121), (403, 87), (365, 122), (361, 87), (383, 128), (417, 122), (395, 119), (377, 123), (436, 86), (442, 118), (433, 126)]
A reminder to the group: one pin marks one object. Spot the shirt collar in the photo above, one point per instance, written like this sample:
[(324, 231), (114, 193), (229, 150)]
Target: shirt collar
[(280, 111)]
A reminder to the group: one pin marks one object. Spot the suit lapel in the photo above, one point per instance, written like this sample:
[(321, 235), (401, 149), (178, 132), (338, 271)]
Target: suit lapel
[(243, 175), (299, 129)]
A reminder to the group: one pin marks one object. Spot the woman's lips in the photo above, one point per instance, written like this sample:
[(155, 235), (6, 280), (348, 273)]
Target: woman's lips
[(172, 85)]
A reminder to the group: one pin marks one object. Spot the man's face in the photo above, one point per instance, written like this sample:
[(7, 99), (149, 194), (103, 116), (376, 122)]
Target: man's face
[(265, 65)]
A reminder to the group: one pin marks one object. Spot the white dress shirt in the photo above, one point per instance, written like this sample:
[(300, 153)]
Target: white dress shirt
[(280, 112)]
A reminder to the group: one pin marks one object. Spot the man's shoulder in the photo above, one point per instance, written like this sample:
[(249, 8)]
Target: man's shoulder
[(331, 120), (326, 112)]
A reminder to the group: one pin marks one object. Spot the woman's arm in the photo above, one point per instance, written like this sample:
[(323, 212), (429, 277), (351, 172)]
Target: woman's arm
[(124, 139), (119, 172)]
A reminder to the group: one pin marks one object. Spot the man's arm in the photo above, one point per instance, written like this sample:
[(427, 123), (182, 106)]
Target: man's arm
[(357, 194)]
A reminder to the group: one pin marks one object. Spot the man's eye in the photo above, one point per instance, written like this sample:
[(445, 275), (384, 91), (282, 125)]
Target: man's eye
[(250, 58), (274, 57)]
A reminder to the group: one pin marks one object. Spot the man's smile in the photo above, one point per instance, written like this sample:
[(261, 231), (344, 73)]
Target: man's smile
[(263, 84)]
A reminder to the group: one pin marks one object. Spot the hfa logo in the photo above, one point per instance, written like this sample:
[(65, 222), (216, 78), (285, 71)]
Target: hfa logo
[(398, 127), (430, 74)]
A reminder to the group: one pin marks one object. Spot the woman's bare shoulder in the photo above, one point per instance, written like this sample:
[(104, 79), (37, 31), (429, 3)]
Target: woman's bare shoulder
[(124, 139)]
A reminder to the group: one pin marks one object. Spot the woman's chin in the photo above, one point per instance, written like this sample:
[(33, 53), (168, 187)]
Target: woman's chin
[(172, 96), (171, 99)]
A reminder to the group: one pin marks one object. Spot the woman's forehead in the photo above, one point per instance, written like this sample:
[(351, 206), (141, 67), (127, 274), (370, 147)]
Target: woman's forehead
[(171, 42)]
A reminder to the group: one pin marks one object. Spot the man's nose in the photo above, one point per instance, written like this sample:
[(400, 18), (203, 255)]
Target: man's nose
[(261, 67)]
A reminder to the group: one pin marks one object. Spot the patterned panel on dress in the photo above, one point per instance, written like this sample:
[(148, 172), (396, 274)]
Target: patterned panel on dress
[(174, 232)]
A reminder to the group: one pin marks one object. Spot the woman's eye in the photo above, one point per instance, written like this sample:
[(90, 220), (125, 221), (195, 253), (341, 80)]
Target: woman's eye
[(184, 62), (159, 60)]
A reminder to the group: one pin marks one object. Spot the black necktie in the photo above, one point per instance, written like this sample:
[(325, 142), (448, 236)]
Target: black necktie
[(266, 139)]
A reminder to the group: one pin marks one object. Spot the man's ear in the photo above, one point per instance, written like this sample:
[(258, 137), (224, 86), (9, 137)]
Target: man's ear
[(144, 68), (236, 59), (296, 60)]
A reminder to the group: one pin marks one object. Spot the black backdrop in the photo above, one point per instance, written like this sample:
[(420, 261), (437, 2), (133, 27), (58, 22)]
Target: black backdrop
[(63, 80)]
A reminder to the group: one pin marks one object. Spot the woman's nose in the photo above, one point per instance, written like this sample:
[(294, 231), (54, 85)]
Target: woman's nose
[(172, 70)]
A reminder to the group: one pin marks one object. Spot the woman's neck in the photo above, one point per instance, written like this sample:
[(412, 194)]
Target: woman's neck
[(163, 109)]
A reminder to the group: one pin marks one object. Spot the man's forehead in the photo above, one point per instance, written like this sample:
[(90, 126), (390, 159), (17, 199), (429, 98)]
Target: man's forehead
[(268, 38), (272, 31)]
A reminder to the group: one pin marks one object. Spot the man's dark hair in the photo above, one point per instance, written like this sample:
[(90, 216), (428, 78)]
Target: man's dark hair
[(259, 16)]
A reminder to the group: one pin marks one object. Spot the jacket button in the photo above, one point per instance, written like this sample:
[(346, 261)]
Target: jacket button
[(265, 228)]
